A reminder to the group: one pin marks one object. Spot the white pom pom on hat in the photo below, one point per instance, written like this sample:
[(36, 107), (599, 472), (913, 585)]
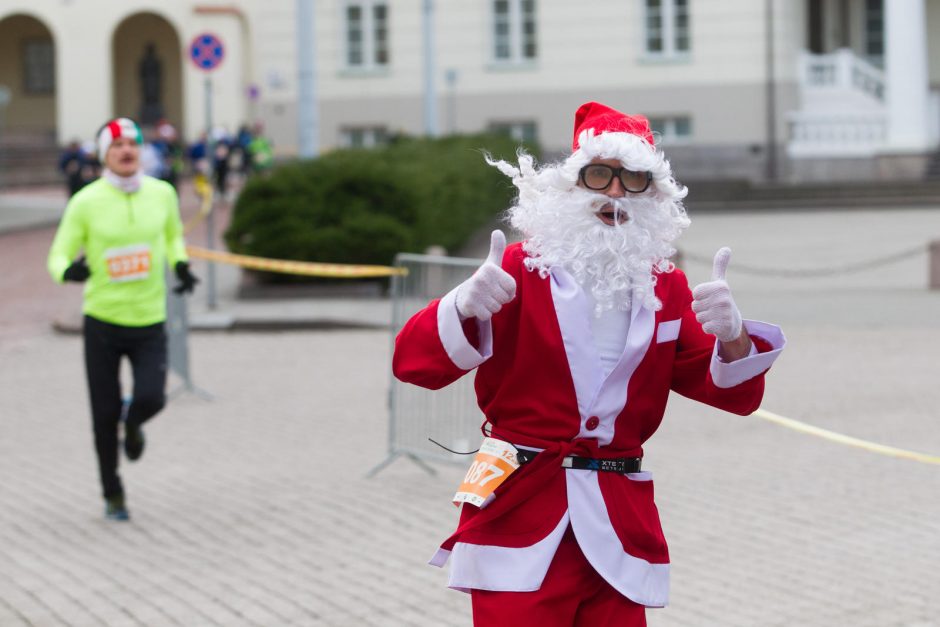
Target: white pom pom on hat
[(119, 127)]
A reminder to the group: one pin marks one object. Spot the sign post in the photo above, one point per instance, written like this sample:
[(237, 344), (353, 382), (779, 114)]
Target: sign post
[(207, 52)]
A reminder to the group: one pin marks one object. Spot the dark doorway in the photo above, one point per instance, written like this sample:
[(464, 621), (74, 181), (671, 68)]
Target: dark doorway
[(814, 35)]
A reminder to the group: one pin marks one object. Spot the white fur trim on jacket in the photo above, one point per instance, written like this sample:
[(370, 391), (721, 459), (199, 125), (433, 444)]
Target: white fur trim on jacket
[(460, 351)]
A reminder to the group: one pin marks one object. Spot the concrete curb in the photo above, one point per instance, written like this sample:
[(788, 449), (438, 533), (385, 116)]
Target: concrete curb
[(32, 226), (223, 324)]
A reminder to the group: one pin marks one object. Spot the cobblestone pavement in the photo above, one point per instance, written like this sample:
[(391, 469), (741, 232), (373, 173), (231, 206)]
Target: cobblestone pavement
[(253, 508), (250, 509), (29, 300)]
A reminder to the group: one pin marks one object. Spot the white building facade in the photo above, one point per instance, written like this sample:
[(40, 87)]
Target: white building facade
[(755, 89)]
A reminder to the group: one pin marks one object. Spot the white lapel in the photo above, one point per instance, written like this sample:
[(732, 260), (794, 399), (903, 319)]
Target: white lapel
[(573, 309)]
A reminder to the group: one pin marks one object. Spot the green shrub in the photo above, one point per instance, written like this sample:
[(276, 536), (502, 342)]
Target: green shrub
[(364, 206)]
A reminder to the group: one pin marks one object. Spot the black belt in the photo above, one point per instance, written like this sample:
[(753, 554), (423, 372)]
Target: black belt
[(621, 465)]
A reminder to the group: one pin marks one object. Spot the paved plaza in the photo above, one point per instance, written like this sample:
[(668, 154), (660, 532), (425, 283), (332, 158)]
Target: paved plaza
[(253, 508)]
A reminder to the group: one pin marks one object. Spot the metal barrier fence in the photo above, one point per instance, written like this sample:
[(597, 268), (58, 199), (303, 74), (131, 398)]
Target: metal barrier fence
[(177, 333), (450, 416)]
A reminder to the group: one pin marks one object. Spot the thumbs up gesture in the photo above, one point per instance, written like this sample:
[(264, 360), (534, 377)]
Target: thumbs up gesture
[(490, 287), (713, 305)]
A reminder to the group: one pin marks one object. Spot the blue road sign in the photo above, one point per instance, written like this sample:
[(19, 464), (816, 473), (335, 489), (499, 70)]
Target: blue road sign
[(207, 51)]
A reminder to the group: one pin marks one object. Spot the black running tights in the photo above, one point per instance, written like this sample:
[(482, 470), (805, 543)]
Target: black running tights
[(105, 345)]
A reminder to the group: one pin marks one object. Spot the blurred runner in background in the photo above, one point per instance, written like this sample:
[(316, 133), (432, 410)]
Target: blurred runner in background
[(127, 226)]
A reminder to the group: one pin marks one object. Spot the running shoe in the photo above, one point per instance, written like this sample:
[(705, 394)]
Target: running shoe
[(134, 441), (114, 508)]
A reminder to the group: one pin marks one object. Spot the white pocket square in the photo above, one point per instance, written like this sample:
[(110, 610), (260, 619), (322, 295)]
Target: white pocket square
[(668, 331)]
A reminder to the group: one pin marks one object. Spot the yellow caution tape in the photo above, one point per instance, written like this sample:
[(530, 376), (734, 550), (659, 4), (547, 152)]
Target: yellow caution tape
[(845, 439), (204, 191), (304, 268)]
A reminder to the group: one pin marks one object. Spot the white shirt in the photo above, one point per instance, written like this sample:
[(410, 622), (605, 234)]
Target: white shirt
[(610, 333)]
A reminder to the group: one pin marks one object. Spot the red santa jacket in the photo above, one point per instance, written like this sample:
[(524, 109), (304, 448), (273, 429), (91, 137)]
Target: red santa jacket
[(541, 385)]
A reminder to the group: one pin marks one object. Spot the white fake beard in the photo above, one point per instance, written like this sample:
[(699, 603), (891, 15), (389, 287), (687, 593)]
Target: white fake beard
[(618, 263)]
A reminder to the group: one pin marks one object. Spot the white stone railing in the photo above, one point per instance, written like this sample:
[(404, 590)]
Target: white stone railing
[(842, 69), (831, 135)]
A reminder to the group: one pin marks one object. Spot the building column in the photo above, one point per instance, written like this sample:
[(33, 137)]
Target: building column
[(906, 75)]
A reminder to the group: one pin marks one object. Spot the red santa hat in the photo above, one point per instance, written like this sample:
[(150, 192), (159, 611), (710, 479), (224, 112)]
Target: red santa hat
[(601, 132), (602, 119), (120, 127)]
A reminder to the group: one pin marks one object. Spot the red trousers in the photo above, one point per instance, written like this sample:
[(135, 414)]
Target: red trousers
[(572, 595)]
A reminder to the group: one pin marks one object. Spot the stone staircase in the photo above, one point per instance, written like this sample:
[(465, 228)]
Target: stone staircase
[(932, 171), (743, 195), (28, 158)]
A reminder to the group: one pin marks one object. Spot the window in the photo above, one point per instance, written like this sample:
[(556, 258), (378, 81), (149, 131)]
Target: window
[(671, 130), (367, 45), (514, 32), (667, 27), (522, 131), (38, 66), (363, 136)]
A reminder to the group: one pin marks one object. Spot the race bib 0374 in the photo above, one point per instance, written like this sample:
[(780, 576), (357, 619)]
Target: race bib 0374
[(128, 263)]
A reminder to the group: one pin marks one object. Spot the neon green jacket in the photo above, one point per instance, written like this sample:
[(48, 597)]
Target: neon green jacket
[(128, 238)]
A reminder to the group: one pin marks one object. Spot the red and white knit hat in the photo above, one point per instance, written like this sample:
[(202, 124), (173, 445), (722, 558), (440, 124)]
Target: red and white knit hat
[(120, 127)]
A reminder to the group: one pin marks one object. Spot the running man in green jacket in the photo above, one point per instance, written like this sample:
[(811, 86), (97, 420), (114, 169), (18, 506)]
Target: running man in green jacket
[(128, 228)]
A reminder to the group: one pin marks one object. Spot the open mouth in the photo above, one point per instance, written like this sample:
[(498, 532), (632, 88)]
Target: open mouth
[(611, 216)]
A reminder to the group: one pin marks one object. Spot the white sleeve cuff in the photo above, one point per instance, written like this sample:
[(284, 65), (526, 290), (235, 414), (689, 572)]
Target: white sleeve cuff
[(727, 375), (460, 351)]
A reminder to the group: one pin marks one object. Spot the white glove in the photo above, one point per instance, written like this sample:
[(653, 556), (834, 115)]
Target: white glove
[(713, 305), (490, 287)]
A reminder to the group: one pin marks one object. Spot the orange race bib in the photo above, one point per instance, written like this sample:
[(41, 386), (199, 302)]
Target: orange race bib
[(128, 263), (493, 464)]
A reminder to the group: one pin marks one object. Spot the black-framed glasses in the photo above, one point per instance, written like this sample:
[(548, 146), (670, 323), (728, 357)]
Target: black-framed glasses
[(598, 177)]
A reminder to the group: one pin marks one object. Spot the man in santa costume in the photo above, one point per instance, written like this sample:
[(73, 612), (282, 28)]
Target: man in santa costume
[(578, 334)]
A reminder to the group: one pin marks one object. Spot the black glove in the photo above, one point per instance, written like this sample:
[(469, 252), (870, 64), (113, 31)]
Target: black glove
[(187, 279), (77, 272)]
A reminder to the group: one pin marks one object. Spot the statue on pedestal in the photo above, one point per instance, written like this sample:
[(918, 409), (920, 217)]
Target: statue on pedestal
[(150, 72)]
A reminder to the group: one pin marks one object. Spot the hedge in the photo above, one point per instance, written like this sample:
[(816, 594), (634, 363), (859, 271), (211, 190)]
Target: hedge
[(364, 206)]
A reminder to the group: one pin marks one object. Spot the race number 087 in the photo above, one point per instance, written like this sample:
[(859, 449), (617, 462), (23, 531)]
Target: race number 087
[(476, 470)]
